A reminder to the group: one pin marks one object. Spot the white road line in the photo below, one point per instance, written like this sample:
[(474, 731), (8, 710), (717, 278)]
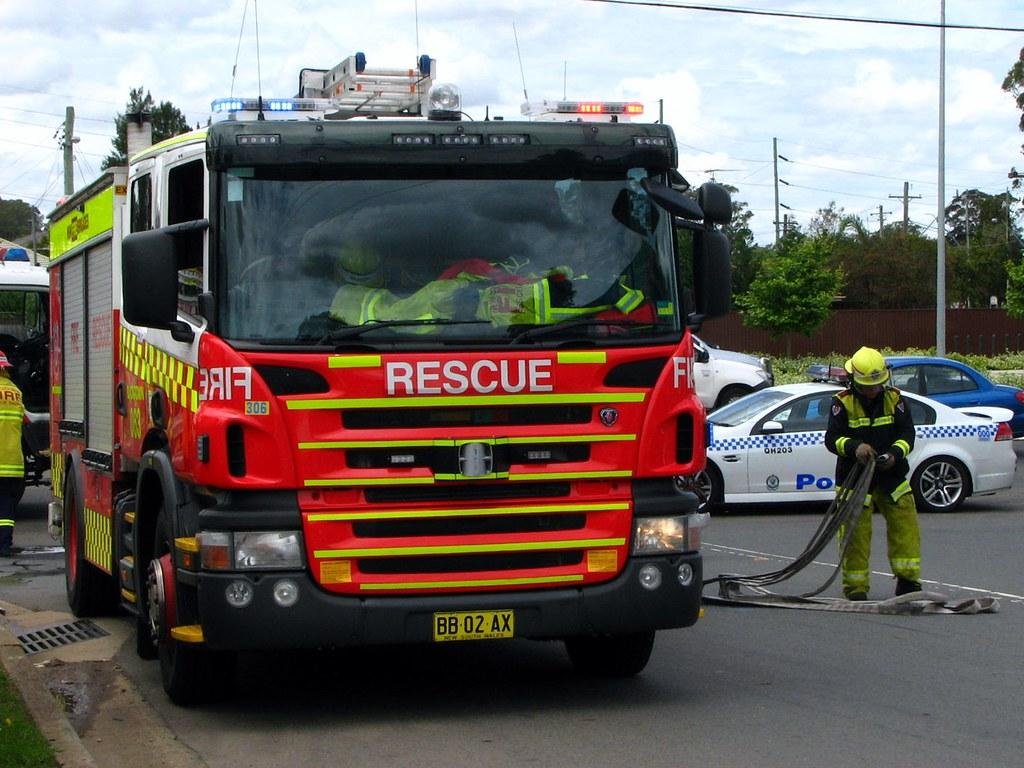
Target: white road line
[(754, 554)]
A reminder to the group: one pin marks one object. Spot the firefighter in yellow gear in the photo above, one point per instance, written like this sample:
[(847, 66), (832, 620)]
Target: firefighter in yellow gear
[(362, 297), (470, 290), (12, 460), (871, 422)]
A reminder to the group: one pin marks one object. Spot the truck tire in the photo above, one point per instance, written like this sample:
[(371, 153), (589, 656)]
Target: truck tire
[(711, 486), (940, 484), (90, 591), (730, 393), (610, 655), (191, 673)]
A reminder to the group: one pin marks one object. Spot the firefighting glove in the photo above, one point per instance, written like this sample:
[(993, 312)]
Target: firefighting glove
[(865, 453)]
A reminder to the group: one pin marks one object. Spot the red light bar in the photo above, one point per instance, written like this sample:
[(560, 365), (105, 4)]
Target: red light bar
[(600, 107)]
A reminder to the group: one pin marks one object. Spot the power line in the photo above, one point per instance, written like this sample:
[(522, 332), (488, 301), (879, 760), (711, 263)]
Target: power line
[(40, 125), (55, 114), (808, 16), (44, 146)]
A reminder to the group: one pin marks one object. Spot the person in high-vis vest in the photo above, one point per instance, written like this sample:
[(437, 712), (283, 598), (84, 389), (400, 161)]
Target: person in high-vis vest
[(363, 297), (12, 460), (473, 289), (871, 422)]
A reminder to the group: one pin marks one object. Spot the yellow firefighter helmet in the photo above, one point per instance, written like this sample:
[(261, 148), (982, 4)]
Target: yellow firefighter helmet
[(359, 265), (867, 367)]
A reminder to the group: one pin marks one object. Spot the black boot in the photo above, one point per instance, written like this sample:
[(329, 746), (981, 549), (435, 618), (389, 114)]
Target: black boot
[(905, 586)]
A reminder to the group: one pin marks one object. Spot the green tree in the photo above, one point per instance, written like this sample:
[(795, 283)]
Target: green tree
[(17, 219), (1015, 289), (167, 121), (1014, 84), (885, 270), (828, 221), (794, 290), (983, 237)]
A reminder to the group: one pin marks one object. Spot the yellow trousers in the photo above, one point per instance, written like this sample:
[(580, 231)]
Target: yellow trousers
[(903, 537)]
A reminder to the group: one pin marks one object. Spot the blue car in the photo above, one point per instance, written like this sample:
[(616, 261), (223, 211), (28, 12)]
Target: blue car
[(957, 385)]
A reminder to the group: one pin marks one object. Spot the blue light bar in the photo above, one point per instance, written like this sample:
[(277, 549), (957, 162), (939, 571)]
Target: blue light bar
[(269, 105)]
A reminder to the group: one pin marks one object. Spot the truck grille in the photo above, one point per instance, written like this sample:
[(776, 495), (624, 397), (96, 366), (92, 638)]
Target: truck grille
[(419, 418)]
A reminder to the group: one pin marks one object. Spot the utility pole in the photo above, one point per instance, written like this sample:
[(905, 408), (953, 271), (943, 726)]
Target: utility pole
[(881, 218), (775, 165), (67, 142), (940, 219), (906, 204)]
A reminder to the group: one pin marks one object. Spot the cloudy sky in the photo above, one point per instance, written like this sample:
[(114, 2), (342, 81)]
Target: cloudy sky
[(854, 106)]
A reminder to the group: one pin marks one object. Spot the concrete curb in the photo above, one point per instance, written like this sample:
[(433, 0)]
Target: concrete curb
[(118, 727), (41, 704)]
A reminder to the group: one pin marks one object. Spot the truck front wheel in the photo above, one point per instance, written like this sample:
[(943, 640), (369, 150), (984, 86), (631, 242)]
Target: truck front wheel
[(191, 673), (610, 655)]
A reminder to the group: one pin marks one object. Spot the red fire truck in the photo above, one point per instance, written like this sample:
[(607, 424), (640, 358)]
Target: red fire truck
[(325, 375)]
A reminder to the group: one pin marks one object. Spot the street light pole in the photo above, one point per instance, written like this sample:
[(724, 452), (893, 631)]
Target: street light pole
[(940, 266)]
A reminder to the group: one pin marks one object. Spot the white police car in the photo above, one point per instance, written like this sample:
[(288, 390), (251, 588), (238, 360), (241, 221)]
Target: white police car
[(769, 447)]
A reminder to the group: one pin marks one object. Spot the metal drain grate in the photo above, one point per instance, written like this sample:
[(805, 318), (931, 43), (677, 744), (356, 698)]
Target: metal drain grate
[(60, 634)]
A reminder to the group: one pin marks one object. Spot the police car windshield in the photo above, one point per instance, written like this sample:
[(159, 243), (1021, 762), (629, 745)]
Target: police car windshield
[(475, 260), (746, 408)]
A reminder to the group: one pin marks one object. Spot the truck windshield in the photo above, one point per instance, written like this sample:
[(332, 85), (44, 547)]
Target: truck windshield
[(446, 260)]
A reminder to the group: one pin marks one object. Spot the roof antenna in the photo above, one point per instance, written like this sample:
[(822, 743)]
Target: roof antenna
[(234, 67), (520, 57), (565, 77), (259, 72)]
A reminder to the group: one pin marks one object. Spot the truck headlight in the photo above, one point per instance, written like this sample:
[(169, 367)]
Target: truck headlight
[(665, 535), (249, 550)]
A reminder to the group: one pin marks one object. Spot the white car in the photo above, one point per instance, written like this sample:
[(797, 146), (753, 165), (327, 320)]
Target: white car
[(770, 447), (722, 376)]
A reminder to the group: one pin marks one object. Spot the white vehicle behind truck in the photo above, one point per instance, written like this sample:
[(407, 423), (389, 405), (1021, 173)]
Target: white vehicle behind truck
[(722, 376), (24, 338)]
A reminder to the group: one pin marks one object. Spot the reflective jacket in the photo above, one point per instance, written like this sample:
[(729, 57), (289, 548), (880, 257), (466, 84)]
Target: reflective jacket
[(12, 412), (884, 423)]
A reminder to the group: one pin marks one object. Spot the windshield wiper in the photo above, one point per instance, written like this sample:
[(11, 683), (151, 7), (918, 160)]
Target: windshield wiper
[(354, 331), (537, 331)]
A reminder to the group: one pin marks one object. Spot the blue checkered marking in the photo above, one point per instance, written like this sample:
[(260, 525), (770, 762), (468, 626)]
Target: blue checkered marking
[(768, 441), (984, 433)]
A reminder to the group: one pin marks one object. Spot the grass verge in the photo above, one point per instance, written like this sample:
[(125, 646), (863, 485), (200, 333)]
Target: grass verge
[(21, 743)]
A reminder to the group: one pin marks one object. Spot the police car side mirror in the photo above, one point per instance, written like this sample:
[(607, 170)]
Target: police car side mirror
[(771, 427), (700, 353)]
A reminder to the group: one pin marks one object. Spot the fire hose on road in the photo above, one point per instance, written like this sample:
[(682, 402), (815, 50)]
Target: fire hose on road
[(839, 521)]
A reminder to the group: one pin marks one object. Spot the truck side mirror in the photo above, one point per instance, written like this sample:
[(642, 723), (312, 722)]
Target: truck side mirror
[(149, 277), (700, 353), (716, 202), (672, 200), (712, 273)]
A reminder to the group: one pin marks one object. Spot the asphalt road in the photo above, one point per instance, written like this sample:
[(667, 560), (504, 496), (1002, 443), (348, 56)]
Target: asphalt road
[(745, 687)]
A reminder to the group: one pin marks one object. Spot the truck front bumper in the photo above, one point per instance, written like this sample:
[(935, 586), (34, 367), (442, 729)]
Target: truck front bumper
[(321, 619)]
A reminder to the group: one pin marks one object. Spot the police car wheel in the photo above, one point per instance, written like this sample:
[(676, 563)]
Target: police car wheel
[(941, 484)]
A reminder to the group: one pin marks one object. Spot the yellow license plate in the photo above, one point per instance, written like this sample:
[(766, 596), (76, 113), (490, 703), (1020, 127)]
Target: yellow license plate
[(473, 625)]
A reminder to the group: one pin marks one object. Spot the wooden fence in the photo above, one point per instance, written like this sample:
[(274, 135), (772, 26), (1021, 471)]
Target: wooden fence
[(969, 331)]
